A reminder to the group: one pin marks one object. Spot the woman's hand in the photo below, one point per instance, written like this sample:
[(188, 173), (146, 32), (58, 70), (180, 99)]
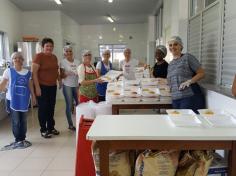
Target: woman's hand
[(38, 91), (98, 80), (185, 84), (33, 100)]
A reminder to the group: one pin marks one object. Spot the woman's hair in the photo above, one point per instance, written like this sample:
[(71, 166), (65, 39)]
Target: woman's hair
[(85, 52), (17, 54), (47, 40), (106, 51), (66, 47), (162, 48)]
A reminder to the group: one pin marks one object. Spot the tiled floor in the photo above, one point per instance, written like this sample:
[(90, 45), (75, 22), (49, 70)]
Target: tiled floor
[(46, 157)]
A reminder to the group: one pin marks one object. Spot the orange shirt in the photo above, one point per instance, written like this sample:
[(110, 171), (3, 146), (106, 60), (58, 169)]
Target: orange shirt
[(48, 69)]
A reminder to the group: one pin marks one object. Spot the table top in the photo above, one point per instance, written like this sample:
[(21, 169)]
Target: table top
[(141, 102), (152, 127)]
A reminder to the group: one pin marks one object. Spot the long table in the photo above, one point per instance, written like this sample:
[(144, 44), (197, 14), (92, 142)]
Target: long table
[(140, 105), (127, 132)]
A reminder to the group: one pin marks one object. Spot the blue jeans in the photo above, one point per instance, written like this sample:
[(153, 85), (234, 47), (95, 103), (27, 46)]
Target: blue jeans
[(19, 125), (70, 94)]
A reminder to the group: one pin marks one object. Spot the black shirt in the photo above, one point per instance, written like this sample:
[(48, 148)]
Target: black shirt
[(160, 71)]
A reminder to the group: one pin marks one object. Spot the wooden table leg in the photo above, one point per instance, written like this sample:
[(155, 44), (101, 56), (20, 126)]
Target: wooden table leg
[(115, 110), (104, 158), (232, 160)]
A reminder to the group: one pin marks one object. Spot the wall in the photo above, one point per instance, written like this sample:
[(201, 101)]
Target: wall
[(10, 22), (175, 21), (70, 33), (44, 24), (89, 35)]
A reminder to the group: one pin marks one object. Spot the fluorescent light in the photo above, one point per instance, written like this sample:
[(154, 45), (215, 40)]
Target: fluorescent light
[(110, 1), (58, 2), (110, 19)]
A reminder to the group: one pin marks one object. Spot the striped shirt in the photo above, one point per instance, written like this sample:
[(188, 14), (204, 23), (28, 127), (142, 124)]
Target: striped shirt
[(179, 71)]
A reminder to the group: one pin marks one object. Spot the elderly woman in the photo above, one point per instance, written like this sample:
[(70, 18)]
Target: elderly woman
[(128, 65), (102, 68), (161, 66), (69, 77), (45, 76), (184, 72), (20, 86), (87, 79)]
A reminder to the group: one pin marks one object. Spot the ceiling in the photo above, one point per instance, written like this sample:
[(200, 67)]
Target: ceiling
[(87, 12)]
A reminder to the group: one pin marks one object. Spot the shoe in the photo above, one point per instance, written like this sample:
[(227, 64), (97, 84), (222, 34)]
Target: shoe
[(72, 128), (10, 146), (46, 134), (23, 144), (54, 132)]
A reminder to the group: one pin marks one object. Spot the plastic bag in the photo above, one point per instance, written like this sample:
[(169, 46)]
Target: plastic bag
[(103, 108), (161, 163), (86, 109)]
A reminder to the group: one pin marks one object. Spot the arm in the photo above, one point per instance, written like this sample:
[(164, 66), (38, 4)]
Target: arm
[(31, 87), (3, 85), (35, 68), (88, 82), (200, 73), (234, 87)]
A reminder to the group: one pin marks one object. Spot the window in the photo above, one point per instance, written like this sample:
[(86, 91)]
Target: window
[(1, 49), (208, 2), (196, 6), (116, 53)]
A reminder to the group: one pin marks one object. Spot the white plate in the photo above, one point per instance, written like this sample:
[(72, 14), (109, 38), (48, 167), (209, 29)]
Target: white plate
[(212, 112), (221, 120), (185, 120), (179, 112)]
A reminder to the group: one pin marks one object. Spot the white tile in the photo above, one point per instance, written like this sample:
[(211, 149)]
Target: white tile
[(58, 173), (26, 173), (9, 164), (5, 173), (34, 164), (62, 163)]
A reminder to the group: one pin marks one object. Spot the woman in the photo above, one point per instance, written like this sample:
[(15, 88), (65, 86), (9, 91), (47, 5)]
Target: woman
[(128, 65), (183, 73), (45, 75), (161, 66), (69, 77), (102, 68), (20, 86), (234, 86), (87, 79)]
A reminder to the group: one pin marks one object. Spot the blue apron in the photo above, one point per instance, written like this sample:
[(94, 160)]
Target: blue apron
[(102, 87), (20, 92)]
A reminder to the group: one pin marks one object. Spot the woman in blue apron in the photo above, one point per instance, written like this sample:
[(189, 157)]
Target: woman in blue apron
[(102, 68), (20, 87)]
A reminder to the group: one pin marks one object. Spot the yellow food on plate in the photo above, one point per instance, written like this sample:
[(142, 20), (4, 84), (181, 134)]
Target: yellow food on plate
[(151, 92), (109, 91), (175, 112), (116, 93), (145, 89), (134, 93), (208, 112)]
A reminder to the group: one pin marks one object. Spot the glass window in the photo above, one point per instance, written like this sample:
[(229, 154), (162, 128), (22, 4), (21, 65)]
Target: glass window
[(1, 49), (196, 6), (208, 2)]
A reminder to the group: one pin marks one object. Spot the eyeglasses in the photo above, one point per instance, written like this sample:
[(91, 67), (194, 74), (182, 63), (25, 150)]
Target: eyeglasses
[(107, 54), (88, 55), (68, 51), (173, 44)]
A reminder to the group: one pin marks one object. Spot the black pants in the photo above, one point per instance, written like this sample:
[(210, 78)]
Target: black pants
[(101, 98), (46, 107)]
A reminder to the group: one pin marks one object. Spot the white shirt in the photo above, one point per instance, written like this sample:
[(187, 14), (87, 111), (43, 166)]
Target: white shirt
[(128, 68), (7, 75), (71, 79), (99, 65), (81, 71)]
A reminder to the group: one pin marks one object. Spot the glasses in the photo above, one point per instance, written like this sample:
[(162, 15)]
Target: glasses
[(107, 54), (68, 51), (88, 55), (173, 44)]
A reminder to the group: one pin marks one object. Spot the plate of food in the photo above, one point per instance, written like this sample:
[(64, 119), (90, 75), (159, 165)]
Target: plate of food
[(179, 112), (184, 120)]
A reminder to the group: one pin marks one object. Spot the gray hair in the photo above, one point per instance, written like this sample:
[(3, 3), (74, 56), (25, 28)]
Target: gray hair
[(162, 48), (17, 54), (176, 39), (127, 49), (66, 47), (106, 51), (85, 52)]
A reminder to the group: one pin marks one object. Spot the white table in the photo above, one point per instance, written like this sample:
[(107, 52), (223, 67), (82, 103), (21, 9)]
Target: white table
[(127, 132)]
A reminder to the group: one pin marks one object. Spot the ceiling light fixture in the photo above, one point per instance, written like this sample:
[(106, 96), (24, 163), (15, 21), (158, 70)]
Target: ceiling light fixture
[(58, 2), (110, 18), (110, 1)]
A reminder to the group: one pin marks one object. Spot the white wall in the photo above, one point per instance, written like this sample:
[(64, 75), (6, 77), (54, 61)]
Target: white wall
[(70, 33), (89, 35), (10, 22), (44, 24), (175, 20)]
